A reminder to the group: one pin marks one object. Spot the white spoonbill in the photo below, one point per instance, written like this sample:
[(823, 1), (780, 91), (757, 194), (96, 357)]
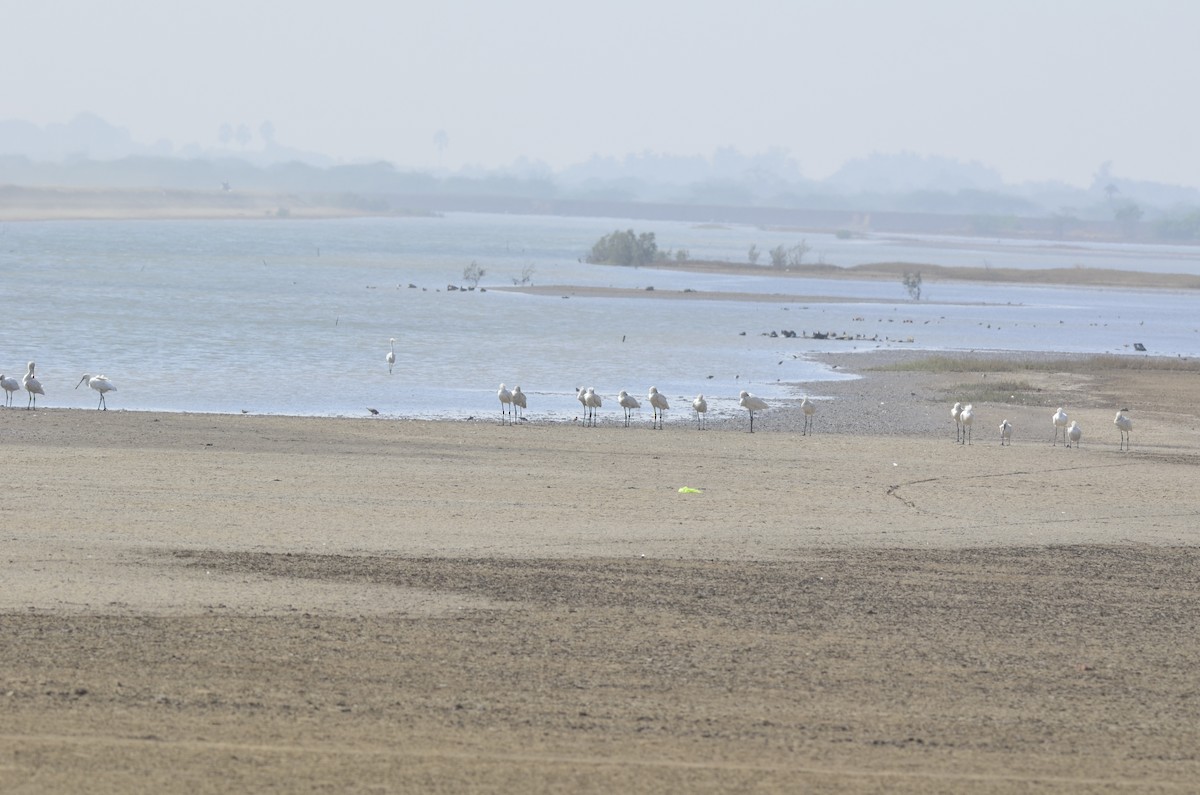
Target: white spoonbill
[(627, 402), (809, 408), (1060, 421), (1006, 433), (32, 386), (659, 401), (966, 418), (1123, 423), (955, 414), (505, 404), (391, 357), (751, 403), (101, 384), (581, 396), (594, 402), (700, 406), (1074, 434), (519, 401), (9, 385)]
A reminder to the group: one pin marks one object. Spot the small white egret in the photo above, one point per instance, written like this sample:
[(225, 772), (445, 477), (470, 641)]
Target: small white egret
[(700, 406), (32, 386), (627, 402), (594, 402), (519, 400), (659, 401), (1060, 421), (101, 384), (505, 403), (966, 418), (1006, 429), (955, 413), (751, 403), (1074, 434), (1123, 423), (391, 357), (809, 408), (9, 385)]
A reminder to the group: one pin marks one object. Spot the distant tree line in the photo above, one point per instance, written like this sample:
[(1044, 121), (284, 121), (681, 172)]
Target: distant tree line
[(1184, 227)]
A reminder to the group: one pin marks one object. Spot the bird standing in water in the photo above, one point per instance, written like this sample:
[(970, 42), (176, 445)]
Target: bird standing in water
[(627, 402), (659, 401), (519, 400)]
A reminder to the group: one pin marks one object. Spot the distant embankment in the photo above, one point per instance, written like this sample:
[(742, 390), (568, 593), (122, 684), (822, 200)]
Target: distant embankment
[(25, 203), (784, 218), (36, 203), (895, 271)]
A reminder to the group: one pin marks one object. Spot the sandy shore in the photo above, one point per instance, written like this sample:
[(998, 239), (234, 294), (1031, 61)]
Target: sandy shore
[(202, 603)]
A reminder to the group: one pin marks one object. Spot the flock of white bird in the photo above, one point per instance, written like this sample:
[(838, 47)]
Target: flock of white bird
[(513, 399), (33, 386), (513, 404), (1071, 431)]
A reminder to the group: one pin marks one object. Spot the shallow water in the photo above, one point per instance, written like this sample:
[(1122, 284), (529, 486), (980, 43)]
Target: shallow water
[(294, 317)]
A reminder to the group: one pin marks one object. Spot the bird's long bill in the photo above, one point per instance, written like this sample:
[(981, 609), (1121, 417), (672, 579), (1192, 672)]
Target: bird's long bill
[(81, 380)]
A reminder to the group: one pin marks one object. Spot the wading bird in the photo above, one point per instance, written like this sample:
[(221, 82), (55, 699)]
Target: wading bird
[(809, 408), (581, 396), (1123, 423), (101, 384), (32, 386), (629, 403), (1005, 433), (966, 418), (1074, 434), (659, 401), (391, 357), (9, 385), (955, 414), (751, 403), (505, 404), (700, 406), (1060, 421), (519, 401), (593, 401)]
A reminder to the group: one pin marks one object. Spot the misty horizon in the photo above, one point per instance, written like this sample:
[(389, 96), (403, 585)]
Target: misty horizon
[(1028, 91), (87, 136)]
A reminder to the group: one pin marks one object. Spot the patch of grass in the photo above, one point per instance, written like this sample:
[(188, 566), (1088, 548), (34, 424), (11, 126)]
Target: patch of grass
[(1041, 364), (1017, 393), (955, 364)]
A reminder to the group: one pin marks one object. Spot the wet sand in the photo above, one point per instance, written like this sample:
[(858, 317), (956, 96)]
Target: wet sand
[(205, 603)]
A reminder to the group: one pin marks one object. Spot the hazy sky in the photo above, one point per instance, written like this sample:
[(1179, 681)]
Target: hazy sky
[(1036, 89)]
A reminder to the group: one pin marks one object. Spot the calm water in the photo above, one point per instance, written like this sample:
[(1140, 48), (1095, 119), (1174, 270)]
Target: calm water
[(294, 317)]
